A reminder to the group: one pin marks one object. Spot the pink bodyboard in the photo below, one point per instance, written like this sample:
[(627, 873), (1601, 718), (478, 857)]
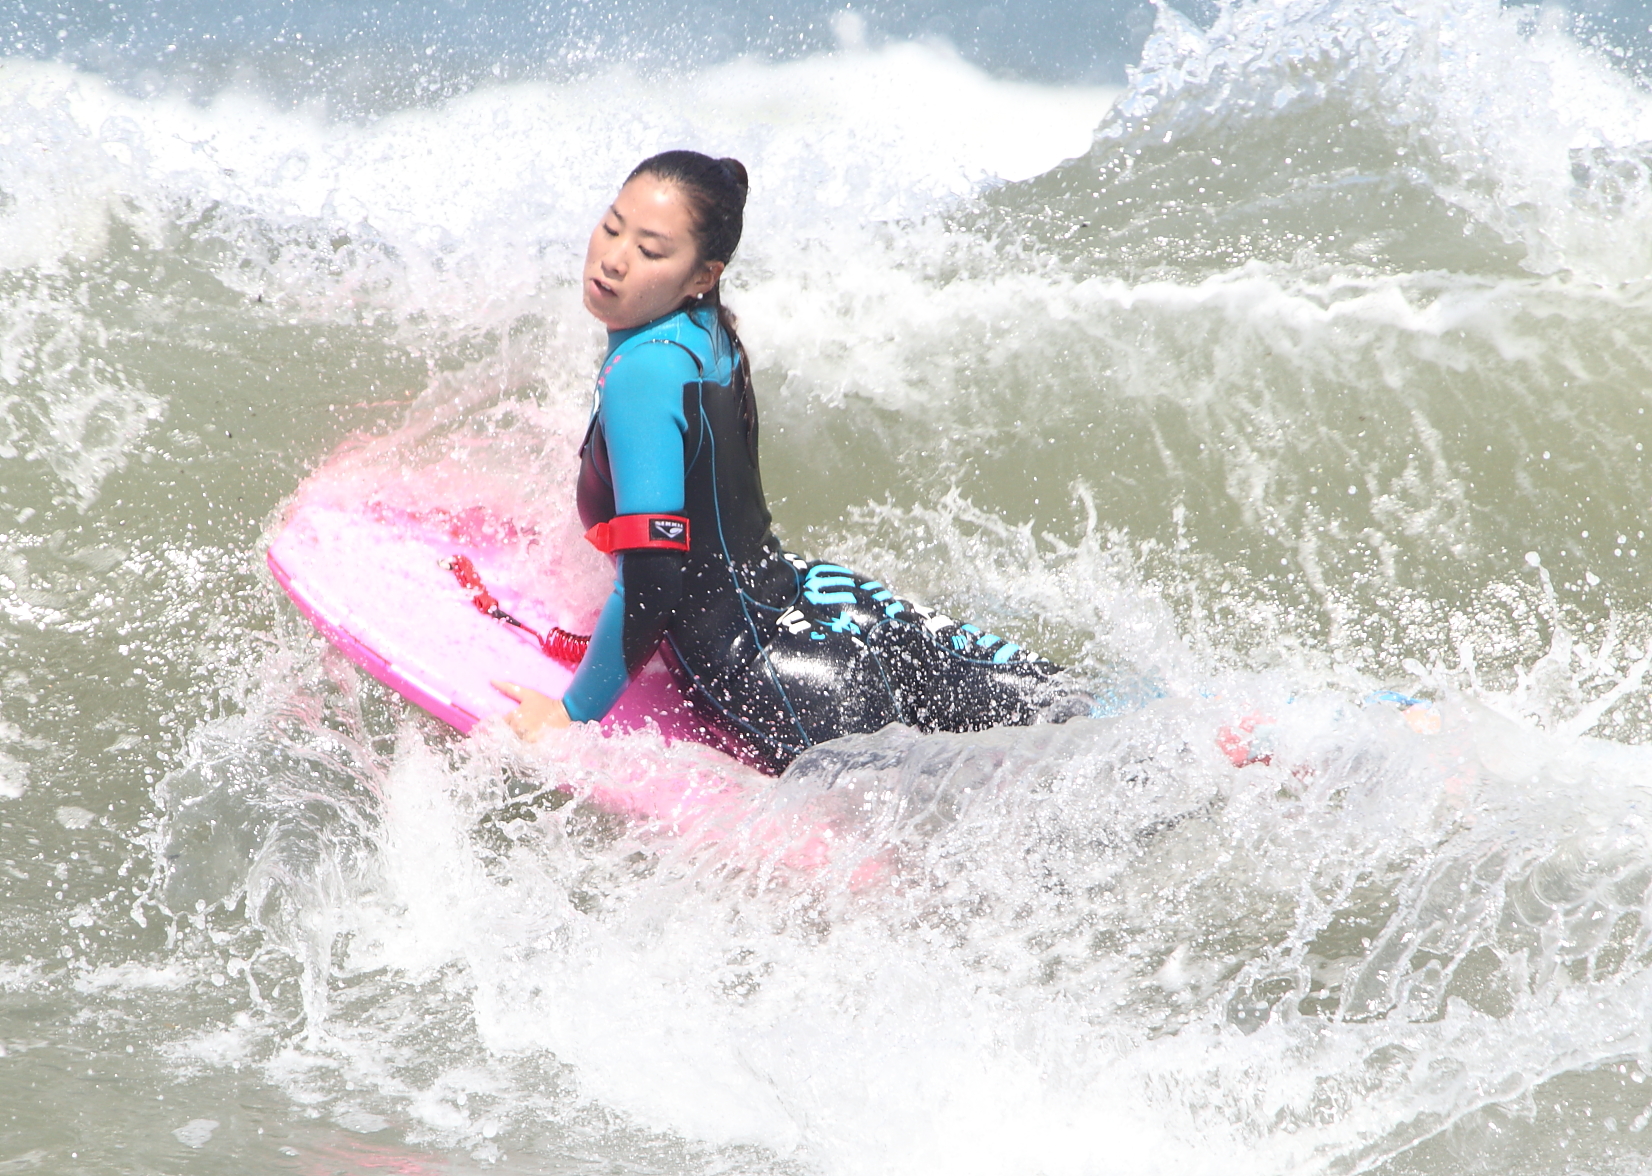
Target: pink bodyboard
[(368, 572), (372, 581)]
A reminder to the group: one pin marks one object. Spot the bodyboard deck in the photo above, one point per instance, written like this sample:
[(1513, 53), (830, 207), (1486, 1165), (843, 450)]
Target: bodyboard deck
[(373, 581)]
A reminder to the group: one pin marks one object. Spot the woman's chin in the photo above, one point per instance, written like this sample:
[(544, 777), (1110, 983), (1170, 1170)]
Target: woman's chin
[(604, 311)]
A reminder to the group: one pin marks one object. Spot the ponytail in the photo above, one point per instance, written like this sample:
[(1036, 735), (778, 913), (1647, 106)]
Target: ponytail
[(715, 190)]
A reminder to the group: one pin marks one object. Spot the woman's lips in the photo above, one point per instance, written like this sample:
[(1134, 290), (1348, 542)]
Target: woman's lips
[(601, 288)]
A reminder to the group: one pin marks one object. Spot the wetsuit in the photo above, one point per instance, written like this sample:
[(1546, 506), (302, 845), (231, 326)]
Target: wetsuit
[(774, 652)]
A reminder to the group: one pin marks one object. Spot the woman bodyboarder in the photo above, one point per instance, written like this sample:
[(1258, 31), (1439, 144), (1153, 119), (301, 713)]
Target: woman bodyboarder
[(774, 652)]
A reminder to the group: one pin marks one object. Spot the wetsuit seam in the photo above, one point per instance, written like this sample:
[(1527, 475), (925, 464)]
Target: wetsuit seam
[(700, 371), (699, 685), (740, 592)]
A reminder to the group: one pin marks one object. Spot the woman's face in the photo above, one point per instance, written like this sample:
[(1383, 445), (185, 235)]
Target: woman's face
[(643, 261)]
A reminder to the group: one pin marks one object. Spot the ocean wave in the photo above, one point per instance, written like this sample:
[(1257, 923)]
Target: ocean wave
[(1361, 134)]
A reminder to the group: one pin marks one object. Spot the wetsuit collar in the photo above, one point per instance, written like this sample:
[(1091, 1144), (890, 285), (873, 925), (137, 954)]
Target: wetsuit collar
[(617, 339)]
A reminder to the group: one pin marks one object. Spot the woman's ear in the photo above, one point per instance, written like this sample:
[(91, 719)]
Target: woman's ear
[(706, 278)]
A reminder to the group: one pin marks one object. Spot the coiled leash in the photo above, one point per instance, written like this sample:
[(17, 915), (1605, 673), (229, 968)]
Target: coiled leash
[(559, 645), (624, 533)]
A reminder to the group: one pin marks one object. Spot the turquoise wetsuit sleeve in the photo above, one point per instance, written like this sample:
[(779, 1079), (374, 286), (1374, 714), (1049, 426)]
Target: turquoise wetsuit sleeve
[(642, 421), (601, 677), (642, 418)]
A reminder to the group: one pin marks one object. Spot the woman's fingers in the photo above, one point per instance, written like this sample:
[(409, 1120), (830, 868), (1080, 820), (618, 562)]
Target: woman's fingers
[(509, 689), (536, 713)]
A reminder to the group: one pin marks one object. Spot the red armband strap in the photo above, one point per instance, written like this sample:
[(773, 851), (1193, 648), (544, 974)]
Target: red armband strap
[(636, 532)]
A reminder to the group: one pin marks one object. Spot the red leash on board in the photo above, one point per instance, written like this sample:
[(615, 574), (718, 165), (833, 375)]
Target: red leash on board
[(559, 645)]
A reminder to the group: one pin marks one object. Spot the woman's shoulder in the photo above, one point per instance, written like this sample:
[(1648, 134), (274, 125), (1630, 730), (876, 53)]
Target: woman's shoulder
[(692, 331), (680, 348), (653, 352)]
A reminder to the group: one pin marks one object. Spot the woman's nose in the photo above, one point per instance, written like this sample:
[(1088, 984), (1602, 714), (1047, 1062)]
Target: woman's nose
[(613, 261)]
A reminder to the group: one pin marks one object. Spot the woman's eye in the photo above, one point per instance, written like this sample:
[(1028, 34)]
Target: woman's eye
[(649, 254), (610, 230)]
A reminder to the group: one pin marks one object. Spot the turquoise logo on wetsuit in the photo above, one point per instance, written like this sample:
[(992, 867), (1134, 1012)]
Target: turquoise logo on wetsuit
[(825, 584)]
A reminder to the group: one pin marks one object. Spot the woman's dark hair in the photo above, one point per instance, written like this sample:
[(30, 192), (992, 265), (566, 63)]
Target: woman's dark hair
[(716, 194), (715, 190)]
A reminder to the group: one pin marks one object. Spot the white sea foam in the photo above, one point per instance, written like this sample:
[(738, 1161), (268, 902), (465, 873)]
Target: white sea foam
[(64, 397), (1509, 136), (196, 1133), (463, 191), (14, 777), (131, 978), (908, 1026)]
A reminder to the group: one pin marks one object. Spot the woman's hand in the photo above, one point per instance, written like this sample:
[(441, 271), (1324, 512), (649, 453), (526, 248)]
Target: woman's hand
[(537, 714)]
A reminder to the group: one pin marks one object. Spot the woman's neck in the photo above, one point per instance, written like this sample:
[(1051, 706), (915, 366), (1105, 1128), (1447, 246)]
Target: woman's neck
[(615, 338)]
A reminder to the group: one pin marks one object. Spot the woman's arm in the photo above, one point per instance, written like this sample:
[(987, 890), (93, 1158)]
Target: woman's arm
[(643, 423)]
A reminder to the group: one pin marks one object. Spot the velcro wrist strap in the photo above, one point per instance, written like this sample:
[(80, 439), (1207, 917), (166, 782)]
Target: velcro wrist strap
[(636, 532)]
